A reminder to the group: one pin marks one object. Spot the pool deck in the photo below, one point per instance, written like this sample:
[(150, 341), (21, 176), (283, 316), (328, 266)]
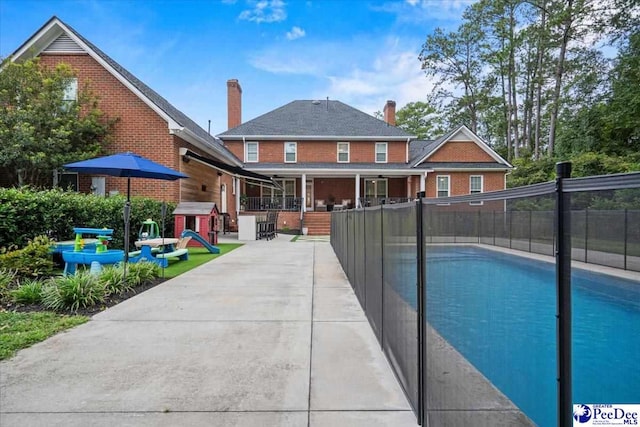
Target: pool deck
[(270, 334)]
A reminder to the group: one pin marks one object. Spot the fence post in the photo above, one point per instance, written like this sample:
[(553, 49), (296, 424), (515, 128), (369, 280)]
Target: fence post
[(563, 303), (586, 235), (494, 228), (421, 308), (626, 222), (382, 278), (530, 232)]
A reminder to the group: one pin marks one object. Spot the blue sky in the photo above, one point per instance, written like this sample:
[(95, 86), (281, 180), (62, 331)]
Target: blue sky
[(356, 51)]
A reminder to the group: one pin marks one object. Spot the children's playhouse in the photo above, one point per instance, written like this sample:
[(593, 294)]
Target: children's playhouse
[(201, 217)]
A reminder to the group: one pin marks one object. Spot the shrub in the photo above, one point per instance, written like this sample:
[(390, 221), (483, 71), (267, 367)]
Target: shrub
[(142, 272), (81, 290), (34, 260), (7, 281), (112, 279), (26, 212), (29, 292)]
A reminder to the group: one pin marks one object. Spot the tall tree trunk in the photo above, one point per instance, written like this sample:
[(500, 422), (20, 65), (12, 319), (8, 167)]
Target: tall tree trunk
[(539, 80), (512, 77), (567, 21)]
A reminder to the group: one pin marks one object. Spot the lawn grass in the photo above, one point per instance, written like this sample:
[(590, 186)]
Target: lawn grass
[(20, 330), (197, 256)]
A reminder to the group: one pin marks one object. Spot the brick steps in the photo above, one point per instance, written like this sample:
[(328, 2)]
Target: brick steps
[(318, 223)]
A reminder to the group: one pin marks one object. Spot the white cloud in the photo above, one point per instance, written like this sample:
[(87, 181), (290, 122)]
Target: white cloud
[(265, 11), (444, 12), (361, 74), (295, 33)]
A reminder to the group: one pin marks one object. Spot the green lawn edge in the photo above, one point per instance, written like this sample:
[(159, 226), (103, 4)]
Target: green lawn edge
[(197, 256), (21, 330)]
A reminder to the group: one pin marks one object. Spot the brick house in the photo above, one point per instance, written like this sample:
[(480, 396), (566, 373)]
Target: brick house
[(147, 125), (327, 155)]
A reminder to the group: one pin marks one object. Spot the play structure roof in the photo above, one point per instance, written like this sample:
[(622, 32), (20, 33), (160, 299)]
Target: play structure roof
[(195, 208)]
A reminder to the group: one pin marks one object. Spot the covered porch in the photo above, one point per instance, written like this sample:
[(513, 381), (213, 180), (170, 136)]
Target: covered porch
[(314, 192)]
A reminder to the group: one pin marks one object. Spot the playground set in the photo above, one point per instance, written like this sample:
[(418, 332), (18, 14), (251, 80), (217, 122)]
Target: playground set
[(94, 250)]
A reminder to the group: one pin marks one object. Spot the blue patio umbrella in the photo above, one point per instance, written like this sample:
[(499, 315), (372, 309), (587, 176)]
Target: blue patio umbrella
[(127, 165)]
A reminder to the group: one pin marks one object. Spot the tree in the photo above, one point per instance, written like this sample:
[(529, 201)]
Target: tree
[(419, 119), (455, 59), (42, 125)]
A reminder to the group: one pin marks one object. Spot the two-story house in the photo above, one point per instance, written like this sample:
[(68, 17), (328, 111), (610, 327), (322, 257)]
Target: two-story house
[(327, 155)]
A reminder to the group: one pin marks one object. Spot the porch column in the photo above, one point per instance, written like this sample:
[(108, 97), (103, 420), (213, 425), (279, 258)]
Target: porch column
[(357, 201), (304, 192), (423, 179), (236, 185)]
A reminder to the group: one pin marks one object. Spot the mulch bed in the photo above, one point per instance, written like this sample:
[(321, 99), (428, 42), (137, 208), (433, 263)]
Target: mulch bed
[(109, 301)]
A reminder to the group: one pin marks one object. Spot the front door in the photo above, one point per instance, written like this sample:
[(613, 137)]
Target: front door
[(309, 195), (375, 190)]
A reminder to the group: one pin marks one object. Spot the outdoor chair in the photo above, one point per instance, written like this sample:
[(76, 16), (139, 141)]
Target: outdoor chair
[(320, 206)]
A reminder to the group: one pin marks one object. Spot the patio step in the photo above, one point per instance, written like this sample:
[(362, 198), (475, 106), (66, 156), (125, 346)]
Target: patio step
[(318, 223)]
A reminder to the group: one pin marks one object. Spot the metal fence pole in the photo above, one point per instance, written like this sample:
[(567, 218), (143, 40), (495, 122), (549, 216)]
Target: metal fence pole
[(586, 235), (626, 223), (530, 222), (381, 278), (563, 303), (421, 308)]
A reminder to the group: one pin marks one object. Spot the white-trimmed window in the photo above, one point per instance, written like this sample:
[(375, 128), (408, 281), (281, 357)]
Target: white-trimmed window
[(290, 152), (71, 91), (251, 151), (476, 185), (442, 182), (381, 152), (343, 152)]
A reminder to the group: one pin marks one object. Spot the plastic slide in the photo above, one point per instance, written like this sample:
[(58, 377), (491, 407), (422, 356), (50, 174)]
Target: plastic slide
[(198, 238)]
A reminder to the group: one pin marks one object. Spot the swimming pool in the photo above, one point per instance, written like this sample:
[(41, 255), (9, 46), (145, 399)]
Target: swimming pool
[(498, 311)]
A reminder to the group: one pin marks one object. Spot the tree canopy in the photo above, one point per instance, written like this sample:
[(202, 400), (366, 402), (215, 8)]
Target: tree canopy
[(537, 80), (46, 121)]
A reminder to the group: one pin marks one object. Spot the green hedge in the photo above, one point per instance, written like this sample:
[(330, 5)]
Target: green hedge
[(26, 213)]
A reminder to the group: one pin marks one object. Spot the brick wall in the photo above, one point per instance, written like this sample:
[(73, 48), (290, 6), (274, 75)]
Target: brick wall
[(460, 151), (322, 151), (139, 129), (459, 182)]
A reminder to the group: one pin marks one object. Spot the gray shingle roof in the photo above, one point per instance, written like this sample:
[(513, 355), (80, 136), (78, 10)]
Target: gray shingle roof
[(177, 115), (316, 118), (418, 148)]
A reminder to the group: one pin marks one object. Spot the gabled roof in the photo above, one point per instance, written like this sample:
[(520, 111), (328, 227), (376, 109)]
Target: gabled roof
[(307, 119), (424, 149), (55, 32)]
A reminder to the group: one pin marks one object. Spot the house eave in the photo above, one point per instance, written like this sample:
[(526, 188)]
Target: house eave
[(218, 151), (313, 138), (53, 29)]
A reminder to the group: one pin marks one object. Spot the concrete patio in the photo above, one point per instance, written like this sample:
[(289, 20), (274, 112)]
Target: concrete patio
[(270, 334)]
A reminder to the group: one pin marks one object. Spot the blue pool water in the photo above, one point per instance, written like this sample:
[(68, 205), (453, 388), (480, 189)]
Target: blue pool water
[(498, 311)]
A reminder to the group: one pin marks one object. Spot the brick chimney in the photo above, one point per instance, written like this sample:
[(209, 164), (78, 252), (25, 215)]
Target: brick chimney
[(390, 113), (234, 103)]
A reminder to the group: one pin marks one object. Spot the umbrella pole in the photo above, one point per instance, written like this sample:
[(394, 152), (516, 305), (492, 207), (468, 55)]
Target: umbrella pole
[(163, 214), (127, 212)]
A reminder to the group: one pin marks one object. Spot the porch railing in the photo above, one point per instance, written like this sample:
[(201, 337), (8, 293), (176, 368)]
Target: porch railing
[(376, 201), (292, 204)]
